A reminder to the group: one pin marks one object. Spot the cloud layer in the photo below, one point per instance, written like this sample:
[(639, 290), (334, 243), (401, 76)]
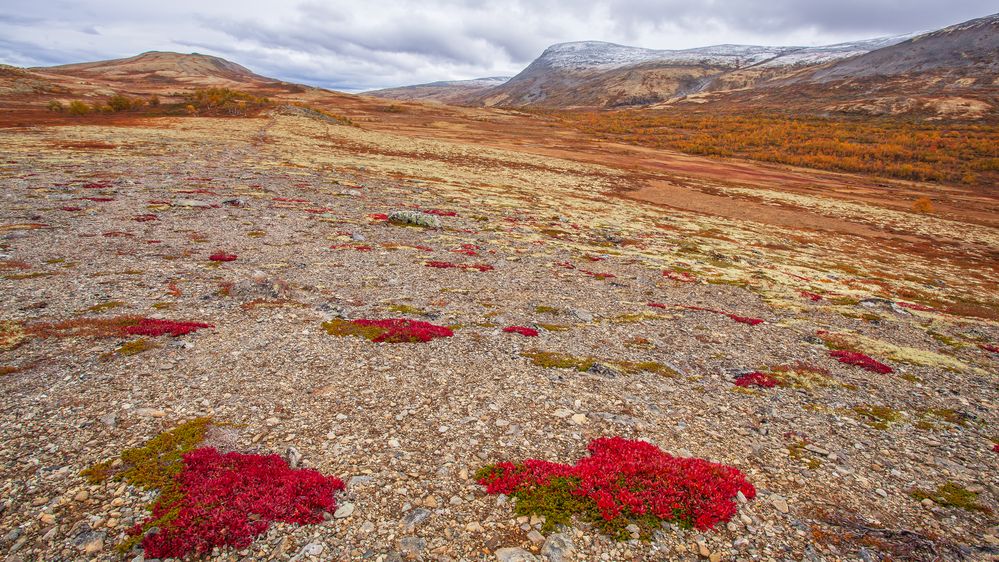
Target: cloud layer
[(356, 46)]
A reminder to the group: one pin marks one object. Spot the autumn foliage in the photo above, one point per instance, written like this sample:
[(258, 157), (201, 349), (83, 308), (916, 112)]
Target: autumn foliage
[(622, 482), (953, 152)]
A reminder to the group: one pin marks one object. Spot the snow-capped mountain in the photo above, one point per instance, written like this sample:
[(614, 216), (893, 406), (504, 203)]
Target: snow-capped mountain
[(599, 55)]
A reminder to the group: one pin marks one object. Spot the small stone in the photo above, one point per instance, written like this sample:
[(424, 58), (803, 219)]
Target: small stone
[(412, 547), (580, 419), (474, 527), (81, 496), (881, 492), (715, 557), (780, 504), (344, 511), (562, 413), (536, 537), (47, 518), (557, 547), (293, 457), (511, 554), (271, 422), (703, 550), (415, 517)]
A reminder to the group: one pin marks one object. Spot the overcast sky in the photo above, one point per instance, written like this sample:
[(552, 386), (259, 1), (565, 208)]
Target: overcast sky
[(365, 44)]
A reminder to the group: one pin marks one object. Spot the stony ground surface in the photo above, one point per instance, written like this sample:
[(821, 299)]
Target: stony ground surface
[(835, 453)]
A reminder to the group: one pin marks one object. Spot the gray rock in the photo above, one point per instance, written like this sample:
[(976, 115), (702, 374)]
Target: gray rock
[(557, 547), (415, 218), (415, 517), (344, 511), (582, 315), (515, 555), (293, 456), (412, 547)]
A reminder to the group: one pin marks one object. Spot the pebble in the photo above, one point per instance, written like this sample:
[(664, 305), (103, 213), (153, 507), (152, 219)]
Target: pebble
[(512, 554), (781, 504), (579, 419), (344, 511)]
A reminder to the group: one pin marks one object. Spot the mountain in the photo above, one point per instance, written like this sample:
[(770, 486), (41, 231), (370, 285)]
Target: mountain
[(969, 49), (958, 65), (601, 74), (156, 71), (448, 91)]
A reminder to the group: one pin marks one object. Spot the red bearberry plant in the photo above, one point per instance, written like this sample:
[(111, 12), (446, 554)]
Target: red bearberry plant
[(522, 330), (391, 330), (861, 360), (208, 499), (756, 379), (621, 482)]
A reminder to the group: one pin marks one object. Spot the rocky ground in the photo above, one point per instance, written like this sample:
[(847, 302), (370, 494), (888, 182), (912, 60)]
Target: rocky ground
[(98, 222)]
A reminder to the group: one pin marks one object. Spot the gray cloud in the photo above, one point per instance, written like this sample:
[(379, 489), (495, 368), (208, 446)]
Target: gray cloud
[(379, 43)]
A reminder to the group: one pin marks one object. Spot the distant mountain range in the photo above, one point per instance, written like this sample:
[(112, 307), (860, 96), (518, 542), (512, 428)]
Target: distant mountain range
[(963, 58), (952, 72)]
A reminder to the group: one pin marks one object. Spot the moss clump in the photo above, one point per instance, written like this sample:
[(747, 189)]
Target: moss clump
[(552, 360), (104, 306), (256, 233), (798, 452), (950, 494), (407, 309), (948, 415), (542, 309), (12, 334), (8, 370), (154, 465), (552, 327), (878, 417), (135, 347), (555, 502), (344, 328)]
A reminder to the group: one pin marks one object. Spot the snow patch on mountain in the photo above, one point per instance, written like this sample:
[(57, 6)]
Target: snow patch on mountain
[(599, 55)]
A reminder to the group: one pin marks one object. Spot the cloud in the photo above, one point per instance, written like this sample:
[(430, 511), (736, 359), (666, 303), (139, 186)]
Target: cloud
[(379, 43)]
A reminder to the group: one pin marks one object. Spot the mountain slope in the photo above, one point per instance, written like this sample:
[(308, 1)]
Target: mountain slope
[(599, 74), (966, 49), (446, 91), (157, 71)]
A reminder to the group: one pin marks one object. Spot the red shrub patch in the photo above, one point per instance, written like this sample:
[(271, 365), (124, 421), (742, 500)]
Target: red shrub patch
[(622, 482), (441, 213), (756, 379), (989, 347), (378, 217), (522, 330), (145, 218), (811, 296), (116, 234), (226, 500), (915, 306), (861, 360), (392, 330), (597, 275), (741, 319), (222, 256), (449, 265), (72, 208), (681, 276), (154, 327)]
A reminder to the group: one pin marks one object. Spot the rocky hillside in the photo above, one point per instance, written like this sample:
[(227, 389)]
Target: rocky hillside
[(447, 91)]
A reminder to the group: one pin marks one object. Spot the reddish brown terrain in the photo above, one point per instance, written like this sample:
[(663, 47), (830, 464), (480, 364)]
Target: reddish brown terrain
[(643, 271)]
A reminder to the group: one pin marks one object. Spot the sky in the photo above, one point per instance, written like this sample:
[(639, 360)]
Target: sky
[(368, 44)]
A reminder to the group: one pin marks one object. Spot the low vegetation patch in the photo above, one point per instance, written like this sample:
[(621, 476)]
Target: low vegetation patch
[(207, 499), (861, 360), (392, 330), (522, 330), (621, 482), (950, 494)]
